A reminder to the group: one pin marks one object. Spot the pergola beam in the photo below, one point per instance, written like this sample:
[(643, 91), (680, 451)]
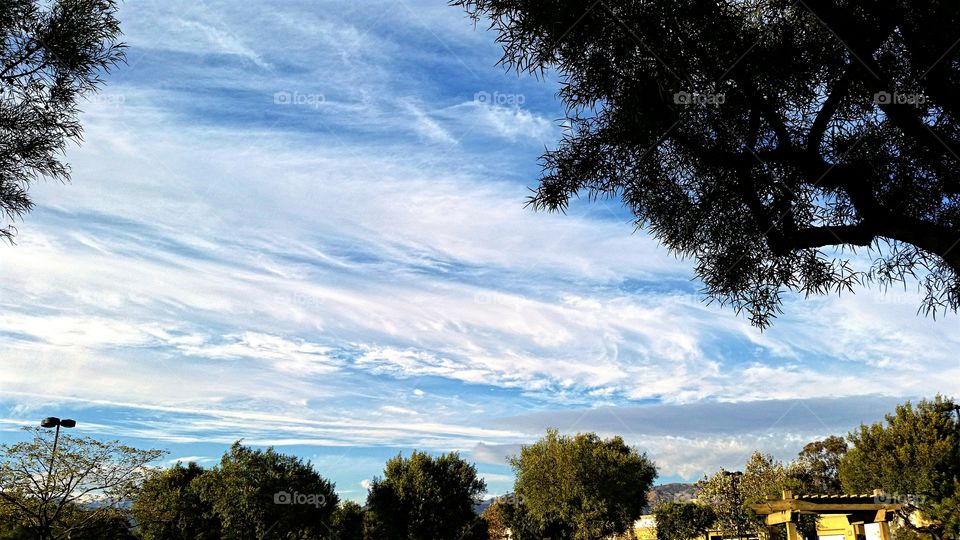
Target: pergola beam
[(858, 509), (795, 505), (777, 518)]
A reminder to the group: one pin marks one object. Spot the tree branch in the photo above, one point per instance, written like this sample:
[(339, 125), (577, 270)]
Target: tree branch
[(30, 52), (861, 234), (829, 108)]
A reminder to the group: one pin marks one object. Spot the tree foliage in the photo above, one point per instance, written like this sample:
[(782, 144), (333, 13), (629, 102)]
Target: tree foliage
[(99, 524), (914, 457), (683, 520), (498, 520), (169, 506), (113, 524), (730, 495), (259, 492), (582, 486), (90, 482), (818, 465), (509, 519), (425, 497), (757, 137), (51, 54), (347, 522)]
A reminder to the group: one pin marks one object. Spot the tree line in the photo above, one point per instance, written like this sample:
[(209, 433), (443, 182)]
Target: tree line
[(578, 486)]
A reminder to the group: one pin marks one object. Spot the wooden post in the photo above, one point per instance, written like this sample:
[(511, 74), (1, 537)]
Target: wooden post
[(885, 530), (792, 532)]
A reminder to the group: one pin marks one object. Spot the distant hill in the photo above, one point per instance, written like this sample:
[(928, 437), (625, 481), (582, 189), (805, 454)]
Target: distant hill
[(676, 491), (479, 508)]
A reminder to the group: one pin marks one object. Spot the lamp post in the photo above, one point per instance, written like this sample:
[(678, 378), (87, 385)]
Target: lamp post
[(50, 422), (735, 477)]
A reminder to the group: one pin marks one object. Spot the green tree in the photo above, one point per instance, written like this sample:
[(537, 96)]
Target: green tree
[(53, 53), (508, 513), (683, 520), (347, 521), (914, 457), (259, 492), (14, 531), (169, 506), (759, 138), (91, 482), (11, 527), (423, 497), (948, 510), (730, 495), (113, 525), (582, 486), (817, 467), (498, 525)]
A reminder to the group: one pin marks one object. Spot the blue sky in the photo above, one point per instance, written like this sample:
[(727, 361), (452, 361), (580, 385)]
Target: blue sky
[(302, 224)]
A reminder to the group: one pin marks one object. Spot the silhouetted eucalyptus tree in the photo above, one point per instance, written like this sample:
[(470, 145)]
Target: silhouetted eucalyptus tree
[(51, 54), (749, 135)]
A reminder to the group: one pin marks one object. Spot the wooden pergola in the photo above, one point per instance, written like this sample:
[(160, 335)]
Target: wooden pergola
[(852, 516)]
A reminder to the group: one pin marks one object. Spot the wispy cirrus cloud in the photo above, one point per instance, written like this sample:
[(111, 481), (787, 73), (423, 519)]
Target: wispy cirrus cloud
[(355, 275)]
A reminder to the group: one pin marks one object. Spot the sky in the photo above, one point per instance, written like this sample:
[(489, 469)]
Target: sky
[(302, 224)]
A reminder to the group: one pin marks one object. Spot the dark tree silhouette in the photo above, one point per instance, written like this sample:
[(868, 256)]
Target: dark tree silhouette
[(259, 494), (51, 54), (762, 138), (169, 506), (347, 522)]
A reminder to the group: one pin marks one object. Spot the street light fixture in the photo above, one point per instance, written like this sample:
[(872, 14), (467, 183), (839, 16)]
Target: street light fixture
[(49, 422), (735, 477)]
